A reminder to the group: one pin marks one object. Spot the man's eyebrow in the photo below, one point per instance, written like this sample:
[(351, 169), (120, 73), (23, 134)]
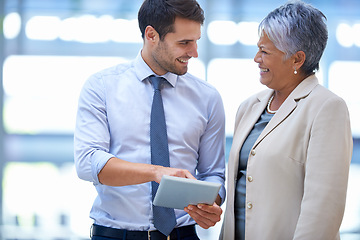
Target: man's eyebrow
[(189, 40), (186, 40)]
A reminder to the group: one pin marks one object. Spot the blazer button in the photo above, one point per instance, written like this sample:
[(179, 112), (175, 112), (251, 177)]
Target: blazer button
[(253, 152), (250, 178), (249, 205)]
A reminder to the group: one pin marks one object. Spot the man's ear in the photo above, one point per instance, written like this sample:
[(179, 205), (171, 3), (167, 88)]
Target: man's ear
[(151, 35)]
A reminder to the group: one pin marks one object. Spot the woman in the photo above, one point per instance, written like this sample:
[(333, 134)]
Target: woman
[(292, 144)]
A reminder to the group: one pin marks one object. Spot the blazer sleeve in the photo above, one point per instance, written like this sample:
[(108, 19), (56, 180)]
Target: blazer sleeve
[(326, 172)]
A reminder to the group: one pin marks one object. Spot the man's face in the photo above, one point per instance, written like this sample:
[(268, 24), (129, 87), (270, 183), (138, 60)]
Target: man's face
[(173, 52)]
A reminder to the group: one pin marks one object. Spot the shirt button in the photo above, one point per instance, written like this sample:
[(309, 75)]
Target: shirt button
[(250, 178), (249, 205), (253, 152)]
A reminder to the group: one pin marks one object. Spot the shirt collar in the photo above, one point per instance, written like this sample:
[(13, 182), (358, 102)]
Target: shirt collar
[(143, 71)]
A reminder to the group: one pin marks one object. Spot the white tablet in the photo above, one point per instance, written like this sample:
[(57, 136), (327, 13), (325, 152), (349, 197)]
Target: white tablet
[(176, 192)]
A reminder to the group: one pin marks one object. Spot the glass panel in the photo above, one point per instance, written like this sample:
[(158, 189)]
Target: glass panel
[(41, 92), (48, 201), (236, 80), (344, 81)]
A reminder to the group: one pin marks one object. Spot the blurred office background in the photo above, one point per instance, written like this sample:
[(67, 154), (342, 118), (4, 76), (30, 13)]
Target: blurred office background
[(48, 48)]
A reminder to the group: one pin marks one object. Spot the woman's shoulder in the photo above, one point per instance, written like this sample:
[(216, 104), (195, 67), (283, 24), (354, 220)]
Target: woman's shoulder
[(323, 94)]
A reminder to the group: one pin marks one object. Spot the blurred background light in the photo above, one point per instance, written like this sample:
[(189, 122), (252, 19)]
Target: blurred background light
[(84, 29), (356, 31), (68, 29), (47, 103), (124, 30), (344, 81), (43, 28), (223, 32), (12, 25), (248, 33), (344, 35), (90, 29)]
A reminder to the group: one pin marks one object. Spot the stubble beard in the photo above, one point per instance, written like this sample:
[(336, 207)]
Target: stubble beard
[(161, 58)]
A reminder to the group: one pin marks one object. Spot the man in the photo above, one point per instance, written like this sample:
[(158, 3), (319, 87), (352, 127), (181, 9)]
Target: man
[(112, 135)]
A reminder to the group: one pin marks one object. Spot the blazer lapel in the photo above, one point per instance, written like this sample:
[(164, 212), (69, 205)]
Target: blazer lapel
[(300, 92), (249, 119), (243, 129)]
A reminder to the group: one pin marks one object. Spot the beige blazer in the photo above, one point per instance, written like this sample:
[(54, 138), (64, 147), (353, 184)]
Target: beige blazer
[(297, 171)]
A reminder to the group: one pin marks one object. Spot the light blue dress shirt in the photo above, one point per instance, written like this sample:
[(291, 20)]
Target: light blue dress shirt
[(113, 120)]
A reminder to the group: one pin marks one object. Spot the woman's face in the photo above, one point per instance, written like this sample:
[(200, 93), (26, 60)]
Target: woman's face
[(275, 72)]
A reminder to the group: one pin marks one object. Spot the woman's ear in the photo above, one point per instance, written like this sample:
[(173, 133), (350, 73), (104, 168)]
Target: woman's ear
[(299, 59)]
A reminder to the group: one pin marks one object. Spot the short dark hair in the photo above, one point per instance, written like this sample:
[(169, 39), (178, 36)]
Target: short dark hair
[(161, 14)]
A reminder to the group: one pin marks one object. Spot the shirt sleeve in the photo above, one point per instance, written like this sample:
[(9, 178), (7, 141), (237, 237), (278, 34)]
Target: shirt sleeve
[(91, 137), (211, 162)]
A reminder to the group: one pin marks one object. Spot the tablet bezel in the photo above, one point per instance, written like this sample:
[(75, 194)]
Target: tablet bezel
[(176, 192)]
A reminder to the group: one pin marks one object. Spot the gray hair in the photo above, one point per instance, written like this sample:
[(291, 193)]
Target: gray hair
[(297, 26)]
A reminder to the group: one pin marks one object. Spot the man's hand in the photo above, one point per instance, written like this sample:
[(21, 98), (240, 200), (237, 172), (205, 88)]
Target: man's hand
[(205, 215), (175, 172)]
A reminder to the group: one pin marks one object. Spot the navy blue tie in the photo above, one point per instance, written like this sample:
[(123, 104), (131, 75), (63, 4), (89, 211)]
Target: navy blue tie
[(164, 218)]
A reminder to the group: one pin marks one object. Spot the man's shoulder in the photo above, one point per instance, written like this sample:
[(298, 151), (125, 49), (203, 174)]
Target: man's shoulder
[(198, 82), (117, 69)]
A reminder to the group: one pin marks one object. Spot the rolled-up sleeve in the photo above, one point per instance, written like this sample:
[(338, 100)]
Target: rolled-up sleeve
[(91, 137)]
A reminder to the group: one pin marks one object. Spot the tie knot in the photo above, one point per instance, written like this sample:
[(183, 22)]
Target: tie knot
[(156, 82)]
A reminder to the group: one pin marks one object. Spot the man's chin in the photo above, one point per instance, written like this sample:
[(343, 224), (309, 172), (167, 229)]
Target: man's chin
[(178, 71), (182, 72)]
